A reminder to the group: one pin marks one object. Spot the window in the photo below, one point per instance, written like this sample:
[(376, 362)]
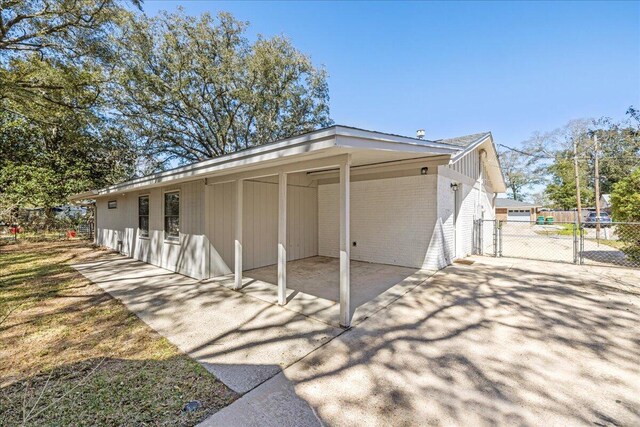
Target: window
[(172, 215), (143, 216), (112, 204)]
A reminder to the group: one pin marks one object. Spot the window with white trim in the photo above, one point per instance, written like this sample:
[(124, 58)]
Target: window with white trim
[(143, 216), (172, 215)]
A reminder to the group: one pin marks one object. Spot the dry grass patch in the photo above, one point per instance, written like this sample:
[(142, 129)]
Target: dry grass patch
[(73, 355)]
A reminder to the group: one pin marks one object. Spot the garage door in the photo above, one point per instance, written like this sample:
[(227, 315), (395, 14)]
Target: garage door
[(522, 215)]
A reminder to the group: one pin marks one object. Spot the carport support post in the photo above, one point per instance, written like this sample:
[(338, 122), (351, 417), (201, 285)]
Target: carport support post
[(238, 243), (282, 238), (345, 246)]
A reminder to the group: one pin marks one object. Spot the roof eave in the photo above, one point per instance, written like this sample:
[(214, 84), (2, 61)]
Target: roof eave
[(335, 136)]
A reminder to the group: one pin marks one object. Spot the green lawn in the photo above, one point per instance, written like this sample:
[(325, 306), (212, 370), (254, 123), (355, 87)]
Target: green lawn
[(564, 230), (73, 355)]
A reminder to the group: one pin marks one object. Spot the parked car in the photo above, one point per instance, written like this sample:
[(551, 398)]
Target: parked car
[(592, 218)]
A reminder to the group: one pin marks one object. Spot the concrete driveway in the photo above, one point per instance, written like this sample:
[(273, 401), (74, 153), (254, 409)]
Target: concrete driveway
[(240, 339), (523, 240), (502, 341)]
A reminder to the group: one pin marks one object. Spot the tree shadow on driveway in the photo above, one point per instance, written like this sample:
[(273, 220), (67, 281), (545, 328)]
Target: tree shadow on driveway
[(477, 344), (481, 345)]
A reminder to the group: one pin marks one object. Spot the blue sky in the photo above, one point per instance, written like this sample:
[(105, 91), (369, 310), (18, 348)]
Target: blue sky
[(459, 68)]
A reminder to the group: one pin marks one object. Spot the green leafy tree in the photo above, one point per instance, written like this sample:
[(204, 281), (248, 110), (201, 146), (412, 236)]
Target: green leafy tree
[(625, 207), (55, 53), (625, 198), (41, 166), (619, 148), (57, 136), (561, 189), (195, 88)]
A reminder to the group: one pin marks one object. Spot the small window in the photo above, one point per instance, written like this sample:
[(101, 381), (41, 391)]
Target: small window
[(143, 216), (112, 204), (172, 216)]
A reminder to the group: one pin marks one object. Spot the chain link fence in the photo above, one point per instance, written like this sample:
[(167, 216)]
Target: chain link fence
[(610, 244), (15, 233)]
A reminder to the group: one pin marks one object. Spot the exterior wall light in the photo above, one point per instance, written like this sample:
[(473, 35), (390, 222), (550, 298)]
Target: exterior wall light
[(424, 170), (454, 186)]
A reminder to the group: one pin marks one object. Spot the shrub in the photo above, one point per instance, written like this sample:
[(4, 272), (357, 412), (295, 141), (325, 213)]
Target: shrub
[(625, 206)]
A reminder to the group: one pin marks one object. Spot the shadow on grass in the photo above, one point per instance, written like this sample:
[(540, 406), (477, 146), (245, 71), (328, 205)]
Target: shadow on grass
[(115, 392)]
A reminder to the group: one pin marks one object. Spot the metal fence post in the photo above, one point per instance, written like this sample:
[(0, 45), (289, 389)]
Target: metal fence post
[(480, 237), (575, 242), (581, 254), (495, 237), (500, 238)]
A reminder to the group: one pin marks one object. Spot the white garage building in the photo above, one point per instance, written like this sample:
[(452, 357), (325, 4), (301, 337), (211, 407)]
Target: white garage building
[(337, 193)]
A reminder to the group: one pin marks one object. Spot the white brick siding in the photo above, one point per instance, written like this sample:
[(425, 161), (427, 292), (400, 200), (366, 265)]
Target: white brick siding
[(391, 219), (443, 234)]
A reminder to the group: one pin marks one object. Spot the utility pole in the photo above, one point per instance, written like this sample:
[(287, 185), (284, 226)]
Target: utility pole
[(597, 185), (575, 168)]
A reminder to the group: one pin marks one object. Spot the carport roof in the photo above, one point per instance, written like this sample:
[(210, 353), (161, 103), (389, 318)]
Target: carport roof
[(337, 139)]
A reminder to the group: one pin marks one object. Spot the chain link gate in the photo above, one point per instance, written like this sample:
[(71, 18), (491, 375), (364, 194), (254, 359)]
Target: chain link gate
[(614, 244)]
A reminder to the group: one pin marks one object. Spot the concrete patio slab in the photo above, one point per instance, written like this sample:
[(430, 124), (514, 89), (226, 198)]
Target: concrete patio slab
[(498, 342), (242, 340), (313, 286)]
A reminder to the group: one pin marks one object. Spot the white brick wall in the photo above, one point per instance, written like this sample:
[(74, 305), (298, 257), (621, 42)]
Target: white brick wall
[(442, 245), (469, 211), (392, 219)]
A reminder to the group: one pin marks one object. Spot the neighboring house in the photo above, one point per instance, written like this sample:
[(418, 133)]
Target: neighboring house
[(605, 202), (337, 192), (513, 210), (60, 212)]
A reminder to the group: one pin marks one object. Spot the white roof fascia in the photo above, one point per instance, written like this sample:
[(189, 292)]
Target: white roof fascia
[(469, 148), (464, 151), (384, 145), (365, 137), (241, 158), (87, 195), (349, 138)]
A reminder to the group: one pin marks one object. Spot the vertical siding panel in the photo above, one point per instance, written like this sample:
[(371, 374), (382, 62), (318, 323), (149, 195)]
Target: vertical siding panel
[(291, 220), (305, 210), (226, 223), (218, 233), (304, 216), (267, 222), (270, 247), (290, 223), (299, 224), (273, 231), (261, 220), (249, 237)]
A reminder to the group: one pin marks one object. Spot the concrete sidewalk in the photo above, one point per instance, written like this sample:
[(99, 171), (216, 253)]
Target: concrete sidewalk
[(499, 342), (240, 339)]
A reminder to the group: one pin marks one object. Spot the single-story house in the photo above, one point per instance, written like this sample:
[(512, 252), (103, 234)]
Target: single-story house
[(513, 210), (338, 192)]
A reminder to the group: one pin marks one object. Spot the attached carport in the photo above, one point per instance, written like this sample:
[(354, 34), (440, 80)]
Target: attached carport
[(390, 178)]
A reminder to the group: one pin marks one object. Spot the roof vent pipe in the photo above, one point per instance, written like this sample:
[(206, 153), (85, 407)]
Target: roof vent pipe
[(420, 133)]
